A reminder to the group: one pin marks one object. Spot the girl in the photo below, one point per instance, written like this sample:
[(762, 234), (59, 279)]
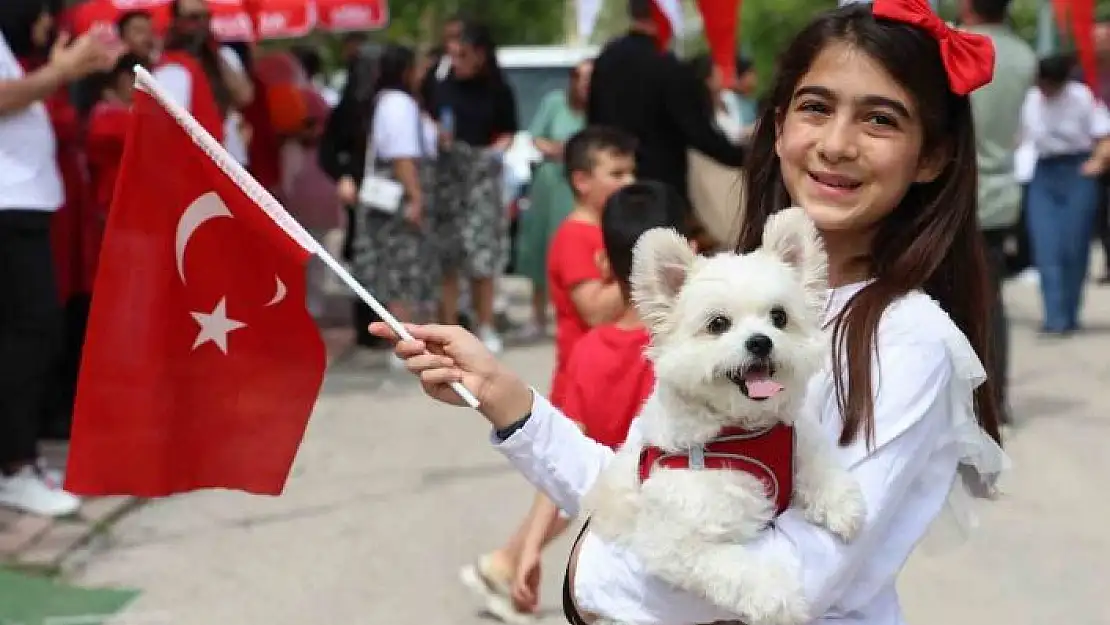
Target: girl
[(1065, 124), (561, 115), (715, 103), (477, 113), (388, 249), (869, 128)]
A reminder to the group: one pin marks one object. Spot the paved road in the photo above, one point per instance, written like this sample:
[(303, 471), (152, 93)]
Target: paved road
[(391, 493)]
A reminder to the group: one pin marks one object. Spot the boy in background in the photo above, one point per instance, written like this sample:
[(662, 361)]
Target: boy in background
[(599, 161), (608, 377)]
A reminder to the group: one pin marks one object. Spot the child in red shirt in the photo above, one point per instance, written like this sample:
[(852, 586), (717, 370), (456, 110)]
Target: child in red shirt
[(599, 161), (107, 132), (608, 377)]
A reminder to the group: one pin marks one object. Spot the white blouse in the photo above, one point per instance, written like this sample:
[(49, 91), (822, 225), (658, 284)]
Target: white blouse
[(925, 427), (1069, 122)]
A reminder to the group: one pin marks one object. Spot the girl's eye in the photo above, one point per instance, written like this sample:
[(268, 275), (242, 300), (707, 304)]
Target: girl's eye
[(812, 106), (778, 317), (882, 119), (718, 325)]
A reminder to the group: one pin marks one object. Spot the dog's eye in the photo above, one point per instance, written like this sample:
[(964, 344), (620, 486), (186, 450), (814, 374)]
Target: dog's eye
[(718, 325), (778, 317)]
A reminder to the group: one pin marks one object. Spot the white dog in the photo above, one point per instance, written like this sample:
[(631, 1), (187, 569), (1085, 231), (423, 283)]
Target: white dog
[(735, 338)]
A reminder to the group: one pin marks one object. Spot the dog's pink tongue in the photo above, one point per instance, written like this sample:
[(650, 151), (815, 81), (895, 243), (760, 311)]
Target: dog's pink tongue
[(760, 386)]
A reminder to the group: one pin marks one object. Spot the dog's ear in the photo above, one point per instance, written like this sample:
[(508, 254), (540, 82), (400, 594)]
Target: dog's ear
[(661, 262), (790, 235)]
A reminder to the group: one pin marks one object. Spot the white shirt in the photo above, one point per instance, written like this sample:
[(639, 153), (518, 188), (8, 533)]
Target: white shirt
[(29, 176), (399, 128), (1025, 162), (924, 427), (1068, 123), (177, 81)]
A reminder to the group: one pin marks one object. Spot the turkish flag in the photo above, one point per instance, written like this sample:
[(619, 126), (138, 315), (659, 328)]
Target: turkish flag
[(201, 365), (719, 19)]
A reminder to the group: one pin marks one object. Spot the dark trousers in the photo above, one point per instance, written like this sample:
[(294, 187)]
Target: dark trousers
[(995, 243), (30, 330)]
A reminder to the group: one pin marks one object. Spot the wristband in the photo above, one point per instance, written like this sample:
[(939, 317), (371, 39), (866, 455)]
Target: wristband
[(504, 433)]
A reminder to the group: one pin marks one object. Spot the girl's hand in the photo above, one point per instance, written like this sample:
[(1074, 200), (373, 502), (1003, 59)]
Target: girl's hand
[(442, 354), (1092, 167), (414, 213), (526, 580), (347, 190)]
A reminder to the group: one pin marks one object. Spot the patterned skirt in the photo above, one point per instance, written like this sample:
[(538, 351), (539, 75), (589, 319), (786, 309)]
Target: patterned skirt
[(470, 223), (393, 258)]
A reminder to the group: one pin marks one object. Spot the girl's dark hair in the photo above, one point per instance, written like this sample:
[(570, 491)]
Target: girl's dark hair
[(367, 76), (930, 241), (1056, 70), (18, 17), (479, 37), (701, 68), (394, 66), (575, 74)]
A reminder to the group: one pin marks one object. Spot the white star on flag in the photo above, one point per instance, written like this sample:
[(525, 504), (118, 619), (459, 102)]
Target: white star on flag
[(215, 326)]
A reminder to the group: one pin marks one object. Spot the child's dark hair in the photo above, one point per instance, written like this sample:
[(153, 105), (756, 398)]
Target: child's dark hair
[(581, 149), (930, 241), (125, 66), (632, 211), (1055, 70)]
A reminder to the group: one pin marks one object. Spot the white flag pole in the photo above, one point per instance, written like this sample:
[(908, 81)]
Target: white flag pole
[(269, 205)]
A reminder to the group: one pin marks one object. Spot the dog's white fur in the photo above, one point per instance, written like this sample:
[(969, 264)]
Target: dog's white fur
[(689, 526)]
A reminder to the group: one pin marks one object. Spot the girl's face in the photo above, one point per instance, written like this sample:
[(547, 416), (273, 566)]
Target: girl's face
[(850, 142), (715, 81), (581, 83), (42, 30), (467, 60)]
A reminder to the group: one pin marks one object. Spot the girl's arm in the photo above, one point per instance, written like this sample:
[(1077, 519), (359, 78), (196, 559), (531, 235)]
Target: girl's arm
[(553, 453), (540, 128), (913, 411), (597, 301)]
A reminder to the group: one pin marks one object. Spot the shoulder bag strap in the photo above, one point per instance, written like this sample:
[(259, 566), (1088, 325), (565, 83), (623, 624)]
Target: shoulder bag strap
[(570, 610)]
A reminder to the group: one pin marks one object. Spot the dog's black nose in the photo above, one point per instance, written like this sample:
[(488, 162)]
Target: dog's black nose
[(759, 345)]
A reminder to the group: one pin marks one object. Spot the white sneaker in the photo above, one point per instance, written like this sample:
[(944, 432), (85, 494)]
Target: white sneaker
[(28, 491), (491, 340)]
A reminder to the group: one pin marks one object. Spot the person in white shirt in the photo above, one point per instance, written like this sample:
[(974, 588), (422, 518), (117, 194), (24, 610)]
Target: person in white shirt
[(1067, 127), (390, 253), (228, 80), (30, 191), (861, 137)]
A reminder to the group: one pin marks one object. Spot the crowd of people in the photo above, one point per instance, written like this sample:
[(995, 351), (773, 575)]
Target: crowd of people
[(922, 179)]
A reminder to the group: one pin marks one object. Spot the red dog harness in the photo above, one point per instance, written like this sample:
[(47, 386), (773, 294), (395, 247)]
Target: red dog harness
[(766, 454)]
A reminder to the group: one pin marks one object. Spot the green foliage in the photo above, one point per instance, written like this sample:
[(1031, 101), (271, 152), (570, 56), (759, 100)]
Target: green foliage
[(767, 26), (513, 22)]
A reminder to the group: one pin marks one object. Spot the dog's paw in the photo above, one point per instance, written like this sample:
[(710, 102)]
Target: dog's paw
[(777, 599), (840, 508)]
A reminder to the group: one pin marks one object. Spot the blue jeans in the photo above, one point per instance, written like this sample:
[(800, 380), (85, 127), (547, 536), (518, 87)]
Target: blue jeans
[(1061, 219)]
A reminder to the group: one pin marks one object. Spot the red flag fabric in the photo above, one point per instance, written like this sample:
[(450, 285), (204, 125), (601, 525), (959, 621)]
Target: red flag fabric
[(201, 365), (719, 18), (1083, 30)]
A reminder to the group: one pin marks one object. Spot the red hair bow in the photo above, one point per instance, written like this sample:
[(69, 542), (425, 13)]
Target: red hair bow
[(968, 57)]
